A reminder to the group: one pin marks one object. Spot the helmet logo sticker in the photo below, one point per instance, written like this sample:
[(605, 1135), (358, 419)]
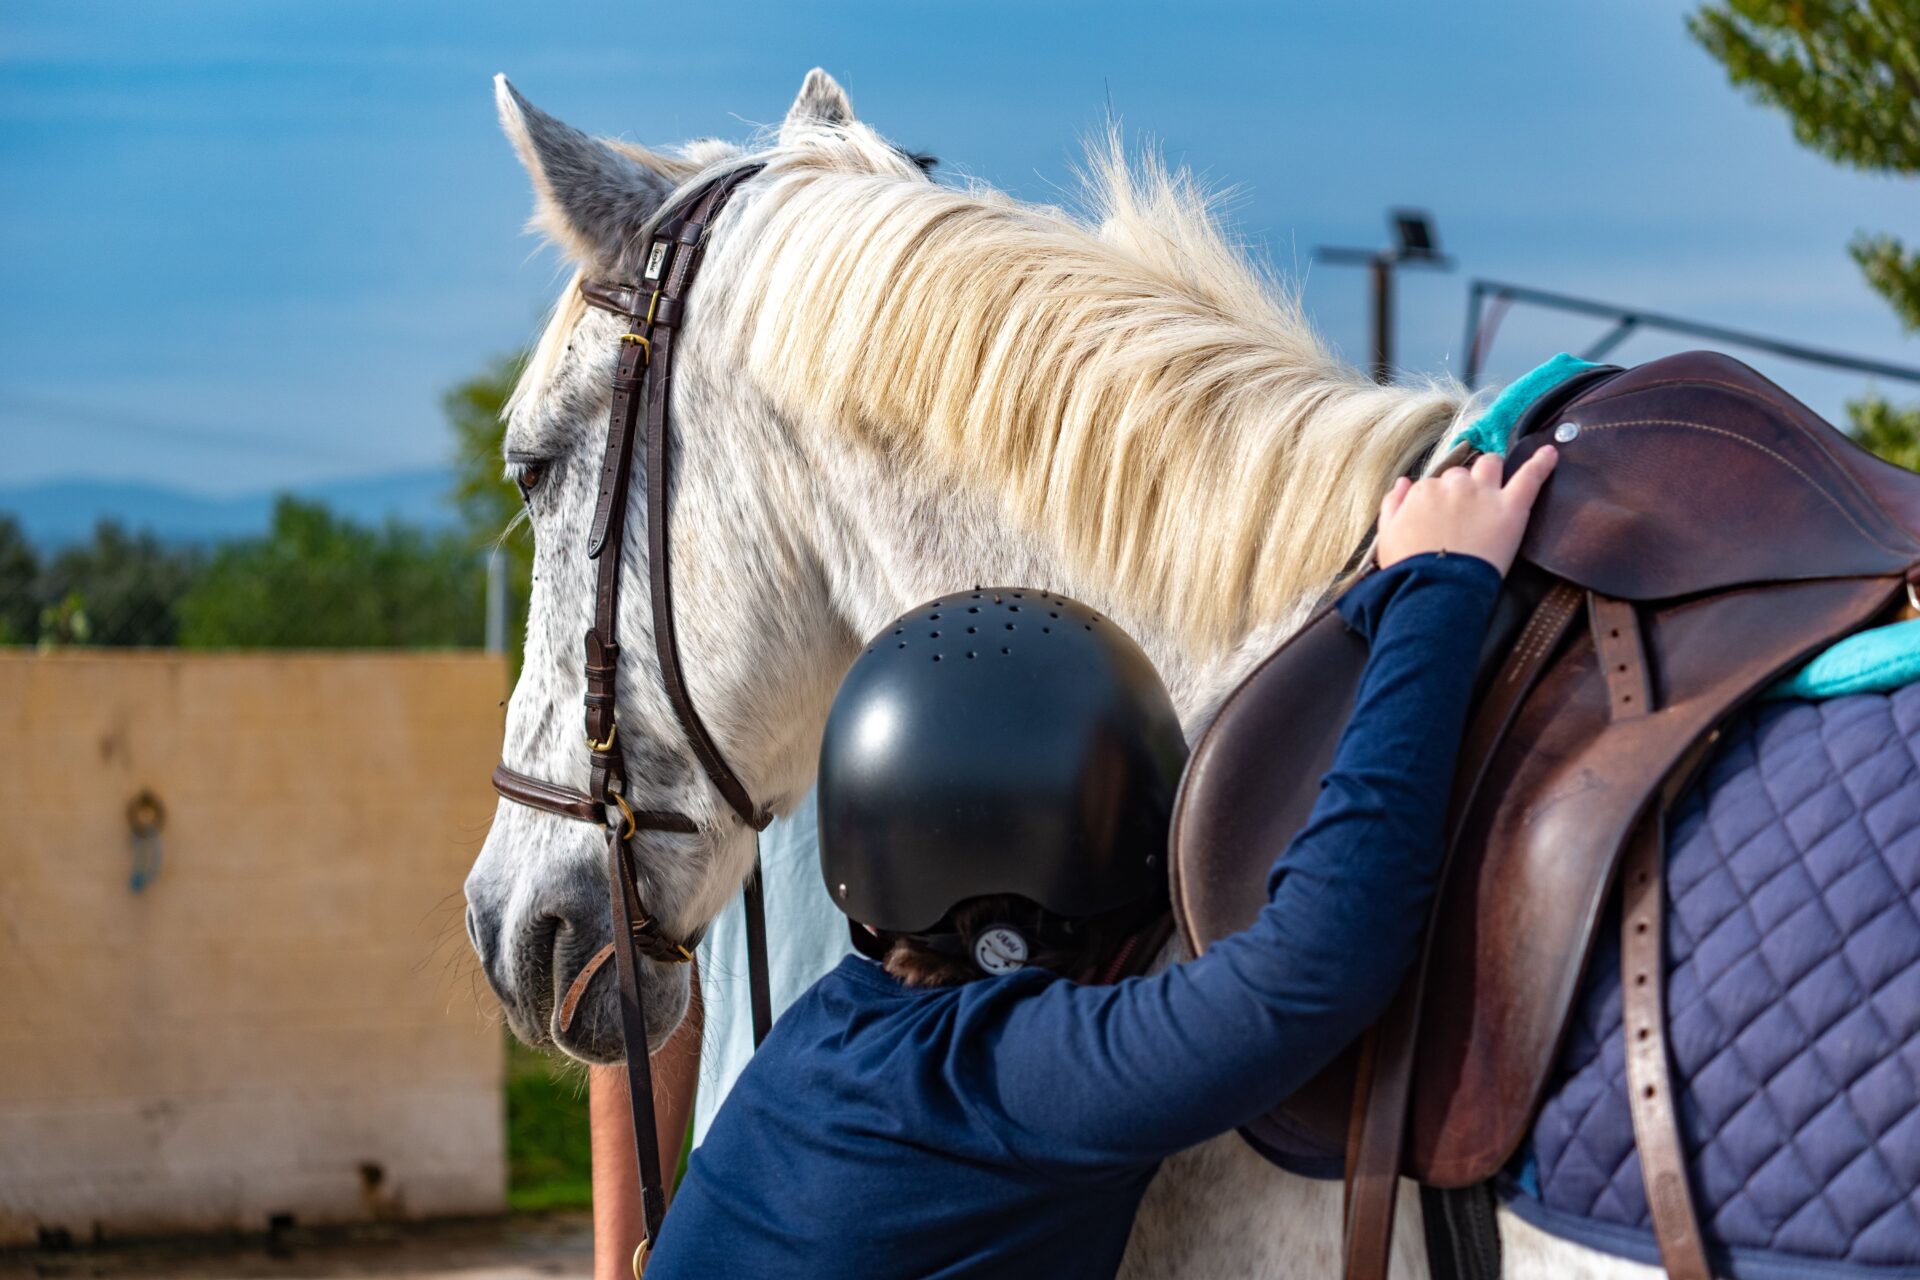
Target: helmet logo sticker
[(1000, 949)]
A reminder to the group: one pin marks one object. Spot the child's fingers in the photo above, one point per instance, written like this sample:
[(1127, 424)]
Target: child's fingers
[(1525, 484), (1390, 504), (1487, 469)]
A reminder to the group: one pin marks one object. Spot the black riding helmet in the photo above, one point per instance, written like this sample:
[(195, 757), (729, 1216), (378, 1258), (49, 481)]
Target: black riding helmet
[(996, 741)]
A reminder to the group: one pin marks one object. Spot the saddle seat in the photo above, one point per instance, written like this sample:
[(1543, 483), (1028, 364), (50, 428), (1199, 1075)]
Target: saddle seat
[(1711, 533)]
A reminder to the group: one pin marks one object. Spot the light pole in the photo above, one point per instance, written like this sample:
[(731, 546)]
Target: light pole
[(1414, 245)]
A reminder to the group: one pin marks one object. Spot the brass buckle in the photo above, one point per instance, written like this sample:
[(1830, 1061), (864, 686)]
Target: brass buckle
[(640, 1252), (626, 812), (646, 346), (649, 928), (601, 748)]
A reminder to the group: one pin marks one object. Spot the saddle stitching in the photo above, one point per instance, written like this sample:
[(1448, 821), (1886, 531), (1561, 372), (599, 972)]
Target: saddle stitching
[(1750, 393), (1781, 458)]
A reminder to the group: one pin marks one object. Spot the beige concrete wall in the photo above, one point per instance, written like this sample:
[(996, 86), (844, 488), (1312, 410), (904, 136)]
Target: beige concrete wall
[(288, 1020)]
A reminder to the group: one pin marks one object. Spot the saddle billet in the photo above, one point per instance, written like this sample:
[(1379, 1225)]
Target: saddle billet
[(1703, 534)]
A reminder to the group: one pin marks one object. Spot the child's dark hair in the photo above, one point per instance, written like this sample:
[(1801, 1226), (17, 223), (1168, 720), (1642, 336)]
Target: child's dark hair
[(1080, 949)]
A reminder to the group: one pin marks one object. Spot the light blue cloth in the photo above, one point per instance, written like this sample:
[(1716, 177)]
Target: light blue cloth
[(1491, 429), (1876, 661), (806, 937)]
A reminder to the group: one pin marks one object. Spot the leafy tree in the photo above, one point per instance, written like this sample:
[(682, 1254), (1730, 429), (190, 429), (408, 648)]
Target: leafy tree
[(1847, 75), (317, 581), (1892, 433), (19, 584), (118, 589), (489, 504)]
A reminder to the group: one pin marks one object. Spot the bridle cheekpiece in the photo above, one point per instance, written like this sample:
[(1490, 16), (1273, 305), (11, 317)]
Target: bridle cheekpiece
[(643, 374)]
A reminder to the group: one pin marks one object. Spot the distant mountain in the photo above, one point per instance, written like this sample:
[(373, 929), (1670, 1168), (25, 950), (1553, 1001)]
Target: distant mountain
[(63, 511)]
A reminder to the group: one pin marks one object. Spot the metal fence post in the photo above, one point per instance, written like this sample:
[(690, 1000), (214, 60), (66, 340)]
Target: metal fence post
[(496, 602)]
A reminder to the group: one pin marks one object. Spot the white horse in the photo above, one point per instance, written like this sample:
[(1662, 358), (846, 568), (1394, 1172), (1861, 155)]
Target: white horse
[(888, 389)]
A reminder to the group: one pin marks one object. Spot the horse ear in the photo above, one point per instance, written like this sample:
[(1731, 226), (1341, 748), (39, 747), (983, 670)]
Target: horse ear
[(821, 101), (590, 198)]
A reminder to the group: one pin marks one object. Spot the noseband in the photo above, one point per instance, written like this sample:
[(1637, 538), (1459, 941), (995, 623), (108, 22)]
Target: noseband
[(653, 310)]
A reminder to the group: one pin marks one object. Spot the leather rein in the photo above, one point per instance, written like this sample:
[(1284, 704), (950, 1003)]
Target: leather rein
[(653, 310)]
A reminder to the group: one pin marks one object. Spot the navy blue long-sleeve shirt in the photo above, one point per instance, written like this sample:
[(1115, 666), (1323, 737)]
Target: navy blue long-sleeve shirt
[(1009, 1126)]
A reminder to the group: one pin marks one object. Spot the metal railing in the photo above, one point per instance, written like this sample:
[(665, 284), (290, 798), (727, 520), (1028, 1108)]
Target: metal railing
[(1489, 300)]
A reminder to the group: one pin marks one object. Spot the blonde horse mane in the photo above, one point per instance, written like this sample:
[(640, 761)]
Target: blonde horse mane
[(1133, 387), (1130, 384)]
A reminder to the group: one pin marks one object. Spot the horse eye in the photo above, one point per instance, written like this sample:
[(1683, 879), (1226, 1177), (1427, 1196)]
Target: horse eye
[(531, 474)]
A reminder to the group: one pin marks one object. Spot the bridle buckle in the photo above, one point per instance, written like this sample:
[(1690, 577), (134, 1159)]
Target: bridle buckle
[(601, 748), (646, 322)]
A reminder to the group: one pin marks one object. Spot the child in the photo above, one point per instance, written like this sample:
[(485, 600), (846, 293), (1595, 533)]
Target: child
[(965, 1107)]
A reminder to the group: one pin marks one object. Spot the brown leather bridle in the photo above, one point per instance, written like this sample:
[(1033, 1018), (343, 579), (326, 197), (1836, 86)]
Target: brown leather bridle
[(653, 309)]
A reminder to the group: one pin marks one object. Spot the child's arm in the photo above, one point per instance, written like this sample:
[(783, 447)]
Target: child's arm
[(1098, 1074)]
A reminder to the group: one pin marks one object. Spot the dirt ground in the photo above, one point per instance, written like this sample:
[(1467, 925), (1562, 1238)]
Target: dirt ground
[(522, 1247)]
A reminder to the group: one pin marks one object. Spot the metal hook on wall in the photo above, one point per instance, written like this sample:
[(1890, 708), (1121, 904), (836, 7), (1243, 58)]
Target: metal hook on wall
[(145, 817)]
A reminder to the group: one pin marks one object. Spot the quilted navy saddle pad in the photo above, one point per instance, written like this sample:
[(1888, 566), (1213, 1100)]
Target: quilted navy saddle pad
[(1793, 937)]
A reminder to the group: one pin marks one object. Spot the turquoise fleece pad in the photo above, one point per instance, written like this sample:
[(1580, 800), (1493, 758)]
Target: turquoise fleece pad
[(1490, 430), (1875, 661)]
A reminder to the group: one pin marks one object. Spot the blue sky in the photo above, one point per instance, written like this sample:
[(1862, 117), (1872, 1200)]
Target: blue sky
[(249, 244)]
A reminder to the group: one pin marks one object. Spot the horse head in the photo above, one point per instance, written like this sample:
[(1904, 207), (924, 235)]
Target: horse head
[(886, 389), (759, 663)]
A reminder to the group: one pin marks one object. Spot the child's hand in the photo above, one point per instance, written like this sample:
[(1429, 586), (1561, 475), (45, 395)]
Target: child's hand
[(1464, 510)]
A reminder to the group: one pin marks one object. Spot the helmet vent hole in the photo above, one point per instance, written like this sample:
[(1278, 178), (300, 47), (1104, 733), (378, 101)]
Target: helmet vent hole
[(1006, 651), (972, 630), (973, 608), (1053, 615), (972, 654), (1013, 608), (936, 657), (1009, 626), (933, 635), (1046, 631), (933, 618)]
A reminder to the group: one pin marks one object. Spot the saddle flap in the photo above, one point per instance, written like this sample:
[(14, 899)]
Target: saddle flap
[(1694, 474), (1252, 780), (1518, 912), (1249, 785), (1523, 895)]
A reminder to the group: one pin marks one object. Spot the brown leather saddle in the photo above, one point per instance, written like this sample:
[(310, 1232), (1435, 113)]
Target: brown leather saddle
[(1703, 534)]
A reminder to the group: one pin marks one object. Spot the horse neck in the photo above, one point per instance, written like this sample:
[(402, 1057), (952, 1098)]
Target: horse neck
[(892, 537)]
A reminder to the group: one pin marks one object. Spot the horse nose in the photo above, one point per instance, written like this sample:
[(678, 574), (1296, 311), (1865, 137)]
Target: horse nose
[(483, 932)]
